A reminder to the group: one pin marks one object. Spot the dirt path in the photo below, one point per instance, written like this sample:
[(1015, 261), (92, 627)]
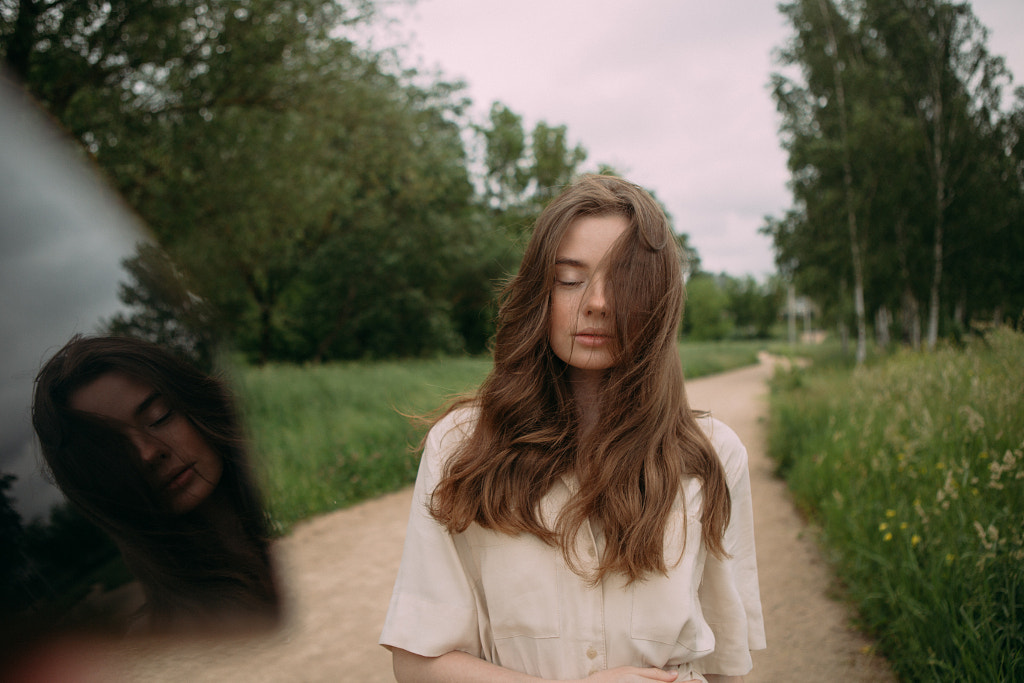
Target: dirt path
[(340, 568)]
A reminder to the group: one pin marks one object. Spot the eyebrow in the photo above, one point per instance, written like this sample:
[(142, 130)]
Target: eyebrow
[(570, 262), (146, 403)]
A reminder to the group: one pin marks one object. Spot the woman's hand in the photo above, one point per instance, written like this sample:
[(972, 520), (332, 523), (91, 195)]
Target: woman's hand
[(459, 666), (632, 674), (453, 667)]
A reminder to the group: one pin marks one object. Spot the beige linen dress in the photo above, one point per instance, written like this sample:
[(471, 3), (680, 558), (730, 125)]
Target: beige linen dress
[(512, 600)]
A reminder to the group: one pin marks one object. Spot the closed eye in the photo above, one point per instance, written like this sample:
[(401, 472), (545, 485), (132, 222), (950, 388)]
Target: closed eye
[(163, 419)]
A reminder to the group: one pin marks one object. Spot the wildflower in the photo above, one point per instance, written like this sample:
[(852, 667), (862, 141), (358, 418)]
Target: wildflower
[(883, 526), (915, 539), (950, 557), (887, 537), (890, 513), (903, 525)]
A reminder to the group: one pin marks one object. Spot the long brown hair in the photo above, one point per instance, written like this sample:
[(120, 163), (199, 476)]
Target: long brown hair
[(631, 467), (188, 570)]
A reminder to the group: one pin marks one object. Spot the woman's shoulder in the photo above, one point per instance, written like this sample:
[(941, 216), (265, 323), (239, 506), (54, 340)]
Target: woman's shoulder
[(457, 423), (450, 430), (727, 444)]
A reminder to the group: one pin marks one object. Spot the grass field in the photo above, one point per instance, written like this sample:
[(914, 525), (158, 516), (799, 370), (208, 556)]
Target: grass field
[(329, 436), (913, 469)]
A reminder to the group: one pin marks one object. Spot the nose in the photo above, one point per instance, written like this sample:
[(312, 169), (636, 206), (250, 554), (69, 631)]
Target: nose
[(595, 302), (151, 449)]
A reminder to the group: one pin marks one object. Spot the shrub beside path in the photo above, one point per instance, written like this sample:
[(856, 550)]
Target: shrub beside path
[(339, 568)]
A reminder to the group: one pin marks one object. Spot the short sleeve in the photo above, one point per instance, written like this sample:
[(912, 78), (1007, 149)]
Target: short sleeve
[(729, 593), (433, 609)]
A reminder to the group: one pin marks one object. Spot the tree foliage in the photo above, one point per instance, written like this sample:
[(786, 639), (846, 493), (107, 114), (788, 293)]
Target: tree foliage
[(894, 129), (523, 172), (312, 200), (163, 308), (725, 307)]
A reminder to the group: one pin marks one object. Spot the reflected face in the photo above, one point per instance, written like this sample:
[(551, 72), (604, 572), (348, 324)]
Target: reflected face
[(581, 328), (177, 461)]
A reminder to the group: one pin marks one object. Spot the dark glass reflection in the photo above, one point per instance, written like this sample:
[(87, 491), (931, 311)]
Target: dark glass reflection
[(64, 237)]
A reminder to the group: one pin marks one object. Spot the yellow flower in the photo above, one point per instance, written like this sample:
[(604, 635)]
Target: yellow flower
[(903, 525), (915, 539), (887, 537), (883, 526), (950, 557), (890, 513)]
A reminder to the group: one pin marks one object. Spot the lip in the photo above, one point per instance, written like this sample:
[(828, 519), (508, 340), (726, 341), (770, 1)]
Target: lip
[(180, 478), (592, 337)]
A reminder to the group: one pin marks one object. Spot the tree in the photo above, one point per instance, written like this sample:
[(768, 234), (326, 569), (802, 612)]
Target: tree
[(164, 308), (706, 316), (872, 145), (820, 122), (523, 173), (951, 84), (753, 307)]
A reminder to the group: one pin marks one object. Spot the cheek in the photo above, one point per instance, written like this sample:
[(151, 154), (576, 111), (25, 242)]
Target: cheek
[(562, 312)]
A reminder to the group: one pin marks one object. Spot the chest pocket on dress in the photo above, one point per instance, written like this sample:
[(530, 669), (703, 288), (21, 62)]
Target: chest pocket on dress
[(521, 587), (666, 609)]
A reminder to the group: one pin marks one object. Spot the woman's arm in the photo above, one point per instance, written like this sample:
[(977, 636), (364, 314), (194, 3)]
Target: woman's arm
[(451, 667), (458, 667)]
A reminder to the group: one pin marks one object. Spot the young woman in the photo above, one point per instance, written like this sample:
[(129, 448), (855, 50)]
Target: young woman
[(575, 517), (151, 450)]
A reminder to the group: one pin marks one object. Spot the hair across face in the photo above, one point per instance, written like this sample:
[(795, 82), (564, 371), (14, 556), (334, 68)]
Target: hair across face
[(176, 461), (642, 270), (94, 413), (581, 324)]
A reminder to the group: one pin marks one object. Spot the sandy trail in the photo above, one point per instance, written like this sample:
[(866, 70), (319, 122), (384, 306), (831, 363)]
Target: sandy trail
[(340, 568)]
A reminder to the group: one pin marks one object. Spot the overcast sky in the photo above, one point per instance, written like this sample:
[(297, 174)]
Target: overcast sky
[(63, 234), (672, 93)]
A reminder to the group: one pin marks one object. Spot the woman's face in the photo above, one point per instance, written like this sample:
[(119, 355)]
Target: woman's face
[(177, 462), (581, 327)]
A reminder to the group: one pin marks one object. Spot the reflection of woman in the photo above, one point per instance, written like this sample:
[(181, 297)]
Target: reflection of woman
[(576, 518), (151, 450)]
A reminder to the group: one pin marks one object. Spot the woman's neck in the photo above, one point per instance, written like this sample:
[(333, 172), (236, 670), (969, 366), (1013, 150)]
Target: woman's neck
[(586, 389)]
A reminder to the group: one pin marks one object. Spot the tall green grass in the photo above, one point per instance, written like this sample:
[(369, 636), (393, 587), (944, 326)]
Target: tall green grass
[(707, 358), (913, 468), (329, 436)]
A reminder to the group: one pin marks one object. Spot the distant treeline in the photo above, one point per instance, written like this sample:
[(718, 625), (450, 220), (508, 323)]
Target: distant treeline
[(907, 168)]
